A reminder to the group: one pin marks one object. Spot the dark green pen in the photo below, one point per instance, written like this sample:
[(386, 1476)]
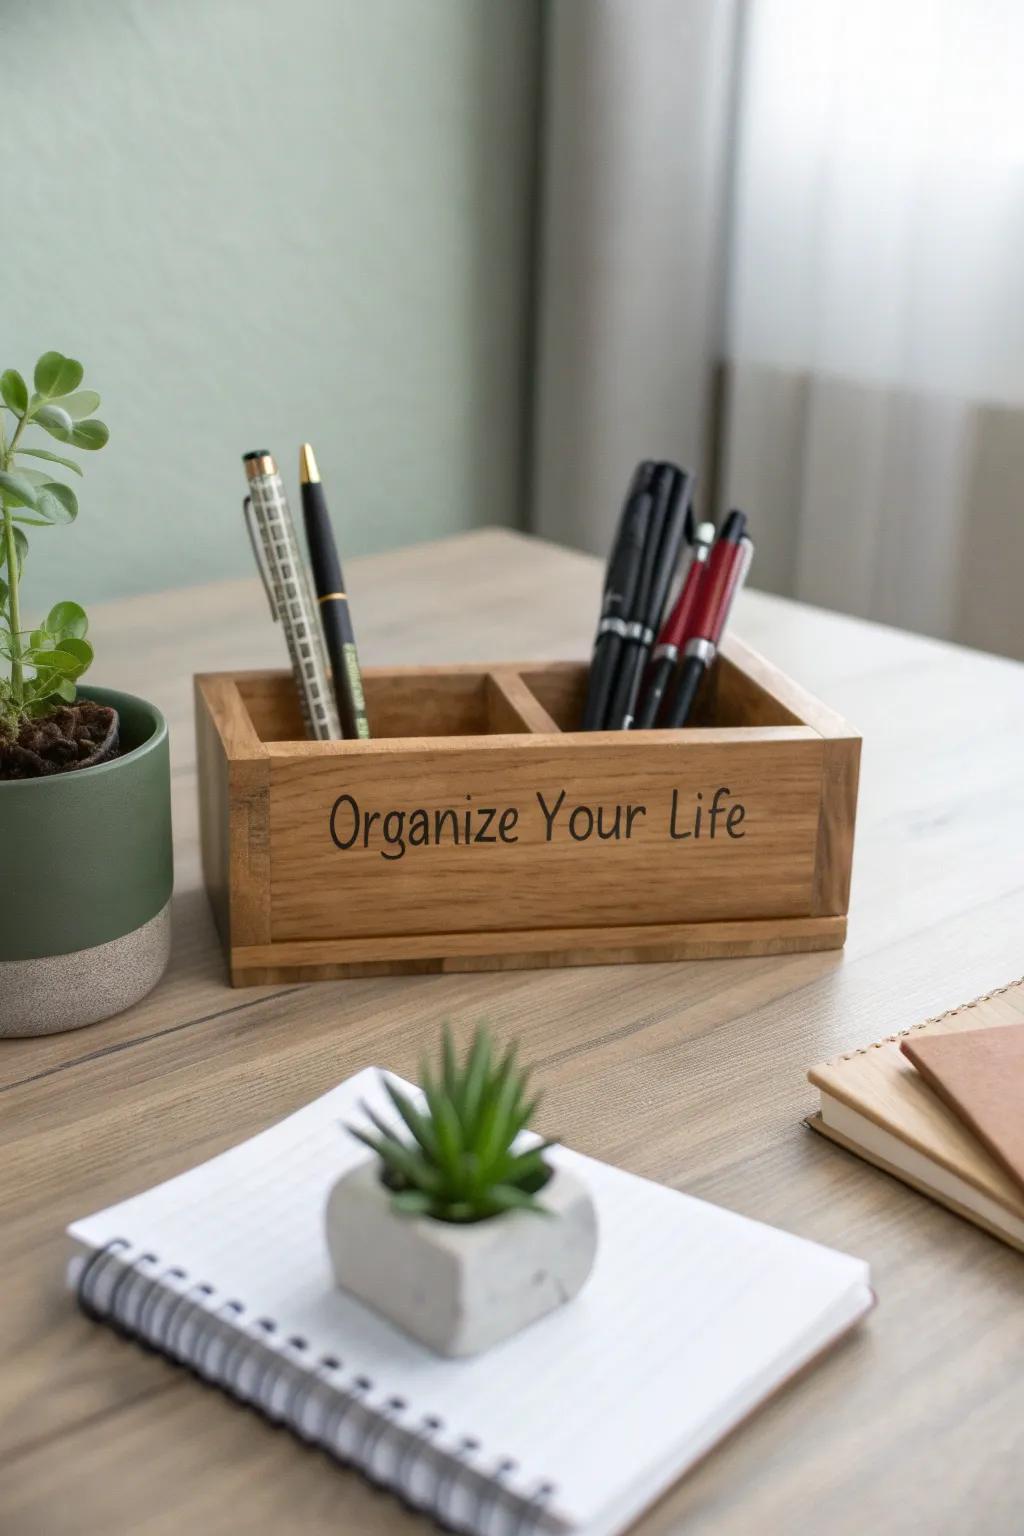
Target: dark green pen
[(333, 600)]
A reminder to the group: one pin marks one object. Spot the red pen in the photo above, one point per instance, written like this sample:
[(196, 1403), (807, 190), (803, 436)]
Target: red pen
[(727, 568), (675, 631)]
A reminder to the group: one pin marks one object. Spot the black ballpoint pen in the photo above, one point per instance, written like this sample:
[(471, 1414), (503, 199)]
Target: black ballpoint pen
[(672, 489), (333, 600), (619, 596)]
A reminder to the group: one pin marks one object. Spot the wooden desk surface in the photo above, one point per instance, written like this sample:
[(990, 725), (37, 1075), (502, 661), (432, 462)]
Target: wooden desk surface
[(691, 1073)]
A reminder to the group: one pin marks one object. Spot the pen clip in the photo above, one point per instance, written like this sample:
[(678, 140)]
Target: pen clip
[(259, 556), (746, 555), (747, 545)]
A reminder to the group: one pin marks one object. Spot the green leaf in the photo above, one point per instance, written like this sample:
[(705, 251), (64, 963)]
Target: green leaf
[(17, 491), (55, 458), (34, 476), (66, 508), (42, 640), (55, 419), (449, 1066), (525, 1165), (496, 1123), (505, 1197), (364, 1136), (81, 404), (449, 1136), (58, 661), (57, 375), (381, 1126), (506, 1070), (418, 1123), (66, 690), (14, 391), (81, 650), (55, 504), (462, 1212), (67, 619), (445, 1122), (478, 1069), (4, 589), (410, 1167), (429, 1087), (89, 434), (401, 1160), (412, 1202)]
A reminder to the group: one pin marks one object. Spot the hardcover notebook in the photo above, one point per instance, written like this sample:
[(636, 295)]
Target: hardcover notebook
[(979, 1073), (691, 1318), (874, 1103)]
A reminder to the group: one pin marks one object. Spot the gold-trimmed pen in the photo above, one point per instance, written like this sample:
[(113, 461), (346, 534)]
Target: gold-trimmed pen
[(332, 600)]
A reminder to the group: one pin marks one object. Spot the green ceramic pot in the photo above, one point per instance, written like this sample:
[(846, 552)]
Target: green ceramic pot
[(85, 881)]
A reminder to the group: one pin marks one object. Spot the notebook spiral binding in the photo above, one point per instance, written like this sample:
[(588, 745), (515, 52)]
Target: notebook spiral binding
[(165, 1310)]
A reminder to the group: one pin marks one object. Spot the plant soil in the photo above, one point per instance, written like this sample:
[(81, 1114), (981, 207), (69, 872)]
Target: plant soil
[(73, 736)]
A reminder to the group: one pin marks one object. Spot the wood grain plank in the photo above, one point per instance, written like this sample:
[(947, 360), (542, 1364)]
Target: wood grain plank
[(688, 1073), (837, 819), (594, 829), (669, 1047), (518, 949)]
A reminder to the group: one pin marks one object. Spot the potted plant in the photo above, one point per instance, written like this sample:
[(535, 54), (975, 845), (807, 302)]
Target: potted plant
[(458, 1228), (85, 832)]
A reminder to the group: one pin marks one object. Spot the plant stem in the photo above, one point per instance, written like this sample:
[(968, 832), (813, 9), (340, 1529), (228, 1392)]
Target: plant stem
[(13, 607), (13, 568), (19, 429)]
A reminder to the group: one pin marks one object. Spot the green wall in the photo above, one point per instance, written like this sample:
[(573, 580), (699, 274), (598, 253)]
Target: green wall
[(259, 222)]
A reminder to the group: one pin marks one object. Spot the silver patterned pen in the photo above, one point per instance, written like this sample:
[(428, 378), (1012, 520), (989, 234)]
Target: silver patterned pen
[(284, 576)]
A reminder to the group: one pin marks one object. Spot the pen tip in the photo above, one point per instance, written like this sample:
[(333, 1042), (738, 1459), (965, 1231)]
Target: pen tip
[(308, 472)]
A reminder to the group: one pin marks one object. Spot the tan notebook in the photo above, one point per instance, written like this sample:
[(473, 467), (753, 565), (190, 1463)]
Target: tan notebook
[(979, 1073), (874, 1103)]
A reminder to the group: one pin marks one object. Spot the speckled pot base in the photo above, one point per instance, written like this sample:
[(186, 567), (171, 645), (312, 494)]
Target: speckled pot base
[(44, 997)]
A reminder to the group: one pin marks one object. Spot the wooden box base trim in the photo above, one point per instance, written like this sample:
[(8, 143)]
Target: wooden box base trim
[(327, 959)]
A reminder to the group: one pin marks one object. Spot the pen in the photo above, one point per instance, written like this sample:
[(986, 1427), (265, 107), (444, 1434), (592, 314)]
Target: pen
[(333, 600), (279, 562), (727, 568), (619, 589), (675, 631), (672, 489)]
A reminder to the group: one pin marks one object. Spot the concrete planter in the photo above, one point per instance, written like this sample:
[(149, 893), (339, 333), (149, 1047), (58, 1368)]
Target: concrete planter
[(460, 1288), (85, 882)]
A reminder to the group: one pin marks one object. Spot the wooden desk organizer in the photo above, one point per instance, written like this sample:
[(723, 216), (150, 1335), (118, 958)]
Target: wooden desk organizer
[(479, 831)]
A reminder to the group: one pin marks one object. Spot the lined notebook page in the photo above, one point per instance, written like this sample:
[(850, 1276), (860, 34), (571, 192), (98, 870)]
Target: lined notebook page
[(691, 1316)]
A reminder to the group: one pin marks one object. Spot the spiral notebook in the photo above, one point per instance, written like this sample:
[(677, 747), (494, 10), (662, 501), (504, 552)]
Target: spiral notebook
[(691, 1318)]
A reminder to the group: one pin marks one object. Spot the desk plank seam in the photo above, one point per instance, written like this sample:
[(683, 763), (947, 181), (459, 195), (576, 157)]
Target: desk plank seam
[(156, 1034)]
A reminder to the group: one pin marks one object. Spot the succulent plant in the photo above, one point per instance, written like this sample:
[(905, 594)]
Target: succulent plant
[(458, 1162)]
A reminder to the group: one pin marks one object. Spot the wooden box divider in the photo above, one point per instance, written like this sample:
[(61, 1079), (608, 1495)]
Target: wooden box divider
[(478, 829)]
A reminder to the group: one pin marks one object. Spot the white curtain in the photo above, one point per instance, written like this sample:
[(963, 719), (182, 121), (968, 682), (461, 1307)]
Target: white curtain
[(634, 183), (862, 350), (876, 313)]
